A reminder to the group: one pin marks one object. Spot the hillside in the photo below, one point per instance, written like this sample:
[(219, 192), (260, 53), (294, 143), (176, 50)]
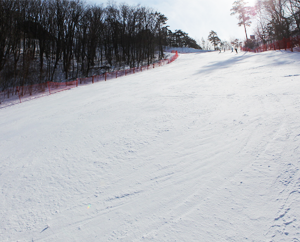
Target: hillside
[(204, 149)]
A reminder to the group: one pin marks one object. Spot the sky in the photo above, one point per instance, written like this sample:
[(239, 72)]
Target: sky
[(195, 17)]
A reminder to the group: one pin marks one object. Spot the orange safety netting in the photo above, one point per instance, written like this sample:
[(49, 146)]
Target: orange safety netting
[(284, 44), (18, 94)]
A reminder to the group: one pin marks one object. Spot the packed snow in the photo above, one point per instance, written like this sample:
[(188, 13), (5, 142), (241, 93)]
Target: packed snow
[(204, 149), (185, 50)]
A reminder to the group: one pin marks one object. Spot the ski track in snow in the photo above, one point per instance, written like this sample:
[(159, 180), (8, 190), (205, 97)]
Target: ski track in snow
[(204, 149)]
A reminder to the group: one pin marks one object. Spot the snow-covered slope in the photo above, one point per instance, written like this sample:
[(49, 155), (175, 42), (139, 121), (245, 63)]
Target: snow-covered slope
[(185, 50), (204, 149)]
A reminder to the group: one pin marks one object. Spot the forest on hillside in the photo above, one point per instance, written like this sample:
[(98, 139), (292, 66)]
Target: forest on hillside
[(275, 20), (57, 40)]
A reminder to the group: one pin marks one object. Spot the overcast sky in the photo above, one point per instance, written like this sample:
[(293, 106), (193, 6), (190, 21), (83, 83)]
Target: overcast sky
[(195, 17)]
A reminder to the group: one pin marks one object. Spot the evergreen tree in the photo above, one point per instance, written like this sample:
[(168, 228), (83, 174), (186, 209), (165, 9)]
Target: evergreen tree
[(214, 39), (244, 14)]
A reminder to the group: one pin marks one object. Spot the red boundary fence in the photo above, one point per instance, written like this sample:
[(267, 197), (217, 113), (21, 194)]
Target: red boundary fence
[(15, 95), (284, 44)]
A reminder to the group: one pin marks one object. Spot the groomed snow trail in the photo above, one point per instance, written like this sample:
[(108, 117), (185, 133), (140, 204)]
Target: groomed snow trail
[(204, 149)]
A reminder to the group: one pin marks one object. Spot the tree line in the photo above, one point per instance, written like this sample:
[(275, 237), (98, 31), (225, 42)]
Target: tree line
[(276, 19), (55, 40)]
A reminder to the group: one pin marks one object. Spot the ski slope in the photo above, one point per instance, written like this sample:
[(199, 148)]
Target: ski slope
[(204, 149)]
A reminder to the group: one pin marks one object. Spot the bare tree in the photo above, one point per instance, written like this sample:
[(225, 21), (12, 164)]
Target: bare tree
[(277, 19)]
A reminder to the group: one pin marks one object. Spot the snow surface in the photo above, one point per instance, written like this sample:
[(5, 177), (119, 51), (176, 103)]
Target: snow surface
[(186, 50), (204, 149)]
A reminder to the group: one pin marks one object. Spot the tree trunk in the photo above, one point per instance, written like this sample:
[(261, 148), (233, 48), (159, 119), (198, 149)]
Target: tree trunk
[(245, 32)]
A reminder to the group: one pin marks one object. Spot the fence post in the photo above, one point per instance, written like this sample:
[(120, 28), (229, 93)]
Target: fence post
[(18, 91), (289, 44), (93, 79), (105, 75), (48, 83), (285, 43)]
